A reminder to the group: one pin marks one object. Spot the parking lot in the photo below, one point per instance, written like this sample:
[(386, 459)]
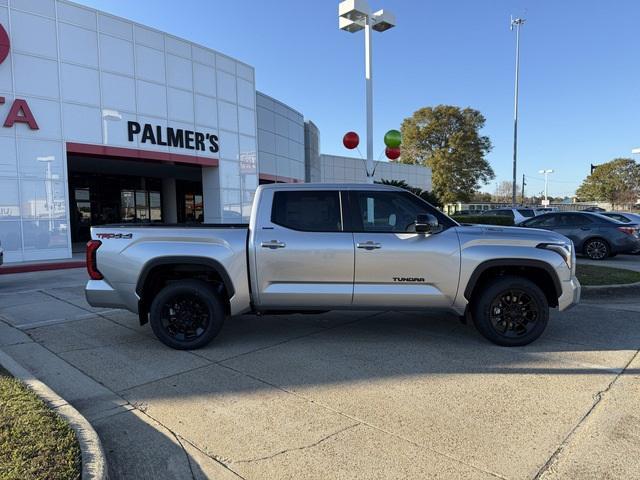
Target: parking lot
[(359, 395)]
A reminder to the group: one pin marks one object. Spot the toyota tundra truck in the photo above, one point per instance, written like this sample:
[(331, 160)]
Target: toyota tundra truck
[(320, 247)]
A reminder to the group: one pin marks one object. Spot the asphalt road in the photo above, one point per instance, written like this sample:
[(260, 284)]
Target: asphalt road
[(339, 395)]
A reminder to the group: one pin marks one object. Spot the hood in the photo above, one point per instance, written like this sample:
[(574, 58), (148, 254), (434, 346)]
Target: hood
[(496, 235)]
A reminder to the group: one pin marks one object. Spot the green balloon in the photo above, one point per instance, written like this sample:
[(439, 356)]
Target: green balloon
[(392, 138)]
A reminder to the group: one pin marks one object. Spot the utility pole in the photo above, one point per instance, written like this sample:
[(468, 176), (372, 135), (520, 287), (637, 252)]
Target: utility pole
[(517, 23), (523, 184)]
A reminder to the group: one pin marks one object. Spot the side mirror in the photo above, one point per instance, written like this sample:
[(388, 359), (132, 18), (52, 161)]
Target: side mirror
[(427, 223)]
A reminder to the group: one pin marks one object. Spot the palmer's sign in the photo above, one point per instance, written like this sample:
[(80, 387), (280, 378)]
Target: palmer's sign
[(173, 137)]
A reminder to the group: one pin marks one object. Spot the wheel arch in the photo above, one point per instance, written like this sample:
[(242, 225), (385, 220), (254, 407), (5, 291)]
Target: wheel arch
[(157, 272), (539, 272)]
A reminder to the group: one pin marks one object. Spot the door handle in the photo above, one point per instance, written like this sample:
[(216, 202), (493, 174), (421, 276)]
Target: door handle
[(273, 244), (585, 228), (369, 245)]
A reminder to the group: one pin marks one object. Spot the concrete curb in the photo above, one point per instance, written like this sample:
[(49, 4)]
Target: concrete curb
[(94, 465)]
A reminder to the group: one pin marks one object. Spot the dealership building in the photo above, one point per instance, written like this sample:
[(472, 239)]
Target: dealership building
[(108, 121)]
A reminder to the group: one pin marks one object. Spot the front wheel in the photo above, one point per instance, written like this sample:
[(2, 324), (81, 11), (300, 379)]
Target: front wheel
[(186, 315), (511, 311)]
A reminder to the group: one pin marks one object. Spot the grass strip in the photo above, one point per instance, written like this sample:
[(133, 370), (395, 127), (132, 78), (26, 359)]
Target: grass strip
[(596, 275), (35, 442)]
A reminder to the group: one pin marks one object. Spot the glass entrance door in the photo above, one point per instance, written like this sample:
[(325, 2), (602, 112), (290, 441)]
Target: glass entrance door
[(81, 219)]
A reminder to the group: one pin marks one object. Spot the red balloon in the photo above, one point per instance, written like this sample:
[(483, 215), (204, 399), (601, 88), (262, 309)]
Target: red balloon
[(392, 153), (350, 140)]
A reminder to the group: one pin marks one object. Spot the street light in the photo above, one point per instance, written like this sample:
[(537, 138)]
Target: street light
[(517, 23), (546, 184), (48, 187), (353, 16), (108, 114)]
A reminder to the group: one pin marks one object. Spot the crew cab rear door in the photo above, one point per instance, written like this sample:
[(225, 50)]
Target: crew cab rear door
[(303, 256), (394, 266)]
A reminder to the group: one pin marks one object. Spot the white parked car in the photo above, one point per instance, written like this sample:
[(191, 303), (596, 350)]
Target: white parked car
[(517, 214), (541, 210)]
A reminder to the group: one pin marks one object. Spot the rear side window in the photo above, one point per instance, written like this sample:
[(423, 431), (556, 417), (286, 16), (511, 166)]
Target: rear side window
[(526, 212), (542, 221), (307, 211), (574, 219)]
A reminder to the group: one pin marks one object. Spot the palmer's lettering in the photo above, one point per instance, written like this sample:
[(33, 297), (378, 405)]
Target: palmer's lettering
[(173, 137)]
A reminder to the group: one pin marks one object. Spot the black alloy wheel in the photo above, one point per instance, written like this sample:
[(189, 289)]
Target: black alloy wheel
[(185, 317), (187, 314), (513, 313), (510, 311)]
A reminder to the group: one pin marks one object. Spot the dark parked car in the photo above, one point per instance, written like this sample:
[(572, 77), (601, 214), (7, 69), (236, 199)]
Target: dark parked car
[(593, 235)]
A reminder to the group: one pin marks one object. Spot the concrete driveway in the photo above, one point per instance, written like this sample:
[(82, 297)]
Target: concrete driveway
[(339, 395)]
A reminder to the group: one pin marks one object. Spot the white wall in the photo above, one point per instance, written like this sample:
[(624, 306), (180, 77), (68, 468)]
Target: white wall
[(71, 63), (280, 140), (338, 169)]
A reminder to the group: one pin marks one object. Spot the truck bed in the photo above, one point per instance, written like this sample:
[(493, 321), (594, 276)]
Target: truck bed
[(129, 251)]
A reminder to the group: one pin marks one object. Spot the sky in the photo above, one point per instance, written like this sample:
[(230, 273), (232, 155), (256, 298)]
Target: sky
[(579, 73)]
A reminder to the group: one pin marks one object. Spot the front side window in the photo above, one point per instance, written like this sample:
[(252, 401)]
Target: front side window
[(392, 212), (307, 211)]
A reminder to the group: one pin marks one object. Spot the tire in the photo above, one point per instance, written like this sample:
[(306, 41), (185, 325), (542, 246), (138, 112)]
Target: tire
[(596, 249), (523, 321), (173, 310)]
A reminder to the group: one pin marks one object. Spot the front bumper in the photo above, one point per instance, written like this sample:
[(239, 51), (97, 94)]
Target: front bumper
[(570, 293)]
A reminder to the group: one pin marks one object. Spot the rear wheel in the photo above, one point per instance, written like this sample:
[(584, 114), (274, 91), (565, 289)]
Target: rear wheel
[(186, 315), (511, 311), (596, 249)]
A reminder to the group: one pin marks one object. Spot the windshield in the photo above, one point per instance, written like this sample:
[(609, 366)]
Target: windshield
[(526, 212)]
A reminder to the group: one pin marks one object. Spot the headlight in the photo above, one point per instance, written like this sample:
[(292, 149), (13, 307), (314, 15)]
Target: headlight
[(565, 250)]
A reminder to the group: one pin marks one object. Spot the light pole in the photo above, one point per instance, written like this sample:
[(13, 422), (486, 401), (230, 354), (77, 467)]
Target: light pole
[(517, 23), (353, 16), (48, 187), (546, 184), (108, 114)]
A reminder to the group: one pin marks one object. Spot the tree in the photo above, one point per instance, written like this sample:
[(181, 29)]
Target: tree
[(426, 195), (504, 191), (447, 139), (481, 197), (617, 182)]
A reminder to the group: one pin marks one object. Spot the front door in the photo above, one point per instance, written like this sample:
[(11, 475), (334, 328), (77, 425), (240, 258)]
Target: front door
[(394, 266), (304, 258)]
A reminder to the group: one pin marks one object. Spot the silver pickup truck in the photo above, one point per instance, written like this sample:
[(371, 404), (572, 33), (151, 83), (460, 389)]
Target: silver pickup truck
[(319, 247)]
